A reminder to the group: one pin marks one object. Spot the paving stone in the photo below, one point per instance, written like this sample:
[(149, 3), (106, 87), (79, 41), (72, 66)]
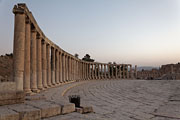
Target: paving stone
[(8, 114), (48, 109), (68, 108), (26, 112)]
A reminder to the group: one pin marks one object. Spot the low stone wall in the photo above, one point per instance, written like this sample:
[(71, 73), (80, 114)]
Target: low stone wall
[(7, 87), (9, 95)]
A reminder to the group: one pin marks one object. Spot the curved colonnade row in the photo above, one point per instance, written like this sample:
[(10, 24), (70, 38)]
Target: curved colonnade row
[(40, 64)]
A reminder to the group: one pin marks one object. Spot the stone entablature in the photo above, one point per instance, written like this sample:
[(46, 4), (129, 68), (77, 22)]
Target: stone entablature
[(40, 64)]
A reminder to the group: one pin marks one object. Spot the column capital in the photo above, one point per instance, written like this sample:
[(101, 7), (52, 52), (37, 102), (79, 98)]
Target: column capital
[(18, 9)]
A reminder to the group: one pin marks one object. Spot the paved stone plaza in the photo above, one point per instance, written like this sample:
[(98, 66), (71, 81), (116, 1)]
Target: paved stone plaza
[(125, 100)]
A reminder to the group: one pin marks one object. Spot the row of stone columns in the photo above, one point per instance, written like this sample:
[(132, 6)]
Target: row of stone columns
[(39, 64)]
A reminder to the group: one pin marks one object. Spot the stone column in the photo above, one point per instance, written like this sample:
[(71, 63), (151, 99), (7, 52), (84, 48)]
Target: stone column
[(33, 62), (39, 63), (27, 68), (116, 71), (98, 71), (63, 68), (53, 66), (101, 72), (18, 49), (48, 57), (70, 69), (124, 72), (86, 71), (112, 67), (90, 73), (127, 71), (105, 76), (81, 70), (44, 64), (57, 67), (135, 71), (109, 76), (131, 76), (120, 71), (77, 70), (60, 67), (67, 69)]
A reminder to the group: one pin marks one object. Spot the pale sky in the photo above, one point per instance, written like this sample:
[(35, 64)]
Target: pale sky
[(139, 32)]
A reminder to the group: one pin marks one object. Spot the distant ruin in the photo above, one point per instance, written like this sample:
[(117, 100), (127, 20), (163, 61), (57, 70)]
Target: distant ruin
[(38, 63)]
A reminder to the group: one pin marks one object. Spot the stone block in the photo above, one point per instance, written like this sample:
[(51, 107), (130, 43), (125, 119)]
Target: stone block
[(8, 114), (87, 109), (48, 109), (11, 98), (26, 112), (7, 86), (84, 110), (79, 110), (68, 108)]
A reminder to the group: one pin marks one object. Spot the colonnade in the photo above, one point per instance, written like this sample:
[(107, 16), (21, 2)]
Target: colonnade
[(40, 64)]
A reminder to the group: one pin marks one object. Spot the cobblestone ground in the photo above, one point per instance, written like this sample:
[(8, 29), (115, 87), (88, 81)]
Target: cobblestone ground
[(127, 100)]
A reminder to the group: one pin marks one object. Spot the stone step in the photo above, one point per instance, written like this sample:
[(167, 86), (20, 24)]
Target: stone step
[(35, 110)]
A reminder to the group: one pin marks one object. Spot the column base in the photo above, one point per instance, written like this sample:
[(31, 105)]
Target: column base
[(35, 90), (28, 92)]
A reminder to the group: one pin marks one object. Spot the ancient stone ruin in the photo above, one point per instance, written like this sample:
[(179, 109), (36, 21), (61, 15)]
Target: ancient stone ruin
[(38, 63)]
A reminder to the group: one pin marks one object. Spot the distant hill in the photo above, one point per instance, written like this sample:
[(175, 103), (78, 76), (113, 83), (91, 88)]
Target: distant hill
[(146, 68)]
